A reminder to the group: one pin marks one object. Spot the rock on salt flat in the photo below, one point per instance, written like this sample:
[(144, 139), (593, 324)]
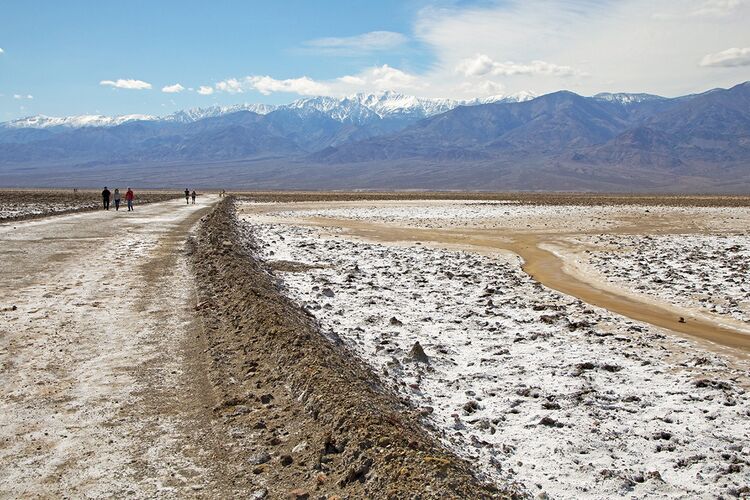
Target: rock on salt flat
[(529, 384)]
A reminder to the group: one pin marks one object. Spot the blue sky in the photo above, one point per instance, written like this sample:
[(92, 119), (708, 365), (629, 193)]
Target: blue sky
[(89, 57)]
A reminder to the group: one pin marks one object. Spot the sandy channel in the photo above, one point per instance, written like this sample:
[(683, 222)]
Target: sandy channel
[(550, 253)]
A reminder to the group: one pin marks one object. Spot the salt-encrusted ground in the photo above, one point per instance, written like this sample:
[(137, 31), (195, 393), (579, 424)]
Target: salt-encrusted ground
[(507, 215), (710, 272), (14, 210), (532, 385)]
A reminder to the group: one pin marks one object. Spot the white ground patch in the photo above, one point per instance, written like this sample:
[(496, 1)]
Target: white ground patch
[(701, 271), (529, 384), (498, 214), (8, 210)]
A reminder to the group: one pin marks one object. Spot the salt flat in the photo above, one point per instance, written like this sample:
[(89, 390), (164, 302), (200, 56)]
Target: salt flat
[(531, 384)]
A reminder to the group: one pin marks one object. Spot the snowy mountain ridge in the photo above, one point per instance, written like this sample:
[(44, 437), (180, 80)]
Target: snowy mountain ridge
[(625, 98), (358, 108)]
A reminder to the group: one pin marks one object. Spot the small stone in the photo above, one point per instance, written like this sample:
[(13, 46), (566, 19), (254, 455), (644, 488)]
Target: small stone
[(470, 407), (327, 292), (259, 494), (300, 447), (299, 494), (260, 458), (550, 422), (286, 460), (417, 353)]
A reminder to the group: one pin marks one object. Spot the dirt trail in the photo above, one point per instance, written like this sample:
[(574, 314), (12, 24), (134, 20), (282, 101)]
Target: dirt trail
[(102, 394)]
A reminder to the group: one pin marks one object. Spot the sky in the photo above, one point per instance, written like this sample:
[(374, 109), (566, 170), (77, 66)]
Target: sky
[(145, 57)]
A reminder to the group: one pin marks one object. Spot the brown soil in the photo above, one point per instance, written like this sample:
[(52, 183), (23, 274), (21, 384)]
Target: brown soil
[(308, 418)]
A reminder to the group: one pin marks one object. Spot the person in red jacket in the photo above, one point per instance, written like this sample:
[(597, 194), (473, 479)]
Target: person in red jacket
[(129, 198)]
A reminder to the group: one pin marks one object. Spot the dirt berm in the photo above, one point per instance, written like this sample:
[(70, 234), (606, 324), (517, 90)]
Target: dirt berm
[(304, 418)]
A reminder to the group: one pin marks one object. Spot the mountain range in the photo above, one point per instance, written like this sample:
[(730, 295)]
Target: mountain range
[(560, 141)]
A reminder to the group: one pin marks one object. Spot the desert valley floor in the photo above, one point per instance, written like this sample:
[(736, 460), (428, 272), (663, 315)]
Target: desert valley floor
[(519, 376), (569, 349)]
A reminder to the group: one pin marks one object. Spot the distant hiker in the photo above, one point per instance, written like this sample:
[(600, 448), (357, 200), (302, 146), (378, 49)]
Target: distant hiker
[(192, 195), (117, 199), (105, 198), (129, 198), (187, 196), (223, 193)]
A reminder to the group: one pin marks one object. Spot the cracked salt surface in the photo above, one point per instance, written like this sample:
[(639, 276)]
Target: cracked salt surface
[(709, 272), (528, 384)]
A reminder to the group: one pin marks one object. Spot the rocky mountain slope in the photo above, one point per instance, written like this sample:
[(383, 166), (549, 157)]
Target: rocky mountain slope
[(556, 141)]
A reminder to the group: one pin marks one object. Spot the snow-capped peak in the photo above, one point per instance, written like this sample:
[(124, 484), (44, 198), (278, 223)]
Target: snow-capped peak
[(195, 114), (516, 97), (625, 98), (78, 121)]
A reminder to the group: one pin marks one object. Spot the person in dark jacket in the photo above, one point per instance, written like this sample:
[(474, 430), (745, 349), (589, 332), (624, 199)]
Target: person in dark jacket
[(193, 195), (105, 198), (187, 196)]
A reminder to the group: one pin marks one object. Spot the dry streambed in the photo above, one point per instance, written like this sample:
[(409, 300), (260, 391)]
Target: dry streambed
[(526, 383), (705, 272)]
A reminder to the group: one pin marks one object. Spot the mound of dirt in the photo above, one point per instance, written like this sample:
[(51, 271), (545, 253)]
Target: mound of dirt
[(305, 416)]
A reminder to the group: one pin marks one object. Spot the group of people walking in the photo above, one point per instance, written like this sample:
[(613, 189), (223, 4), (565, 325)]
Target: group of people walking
[(107, 195)]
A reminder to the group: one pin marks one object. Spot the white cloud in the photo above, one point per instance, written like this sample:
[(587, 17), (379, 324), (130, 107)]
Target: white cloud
[(2, 51), (233, 86), (205, 90), (23, 96), (730, 58), (172, 89), (376, 78), (481, 88), (542, 46), (366, 42), (387, 78), (717, 7), (580, 45), (267, 85), (481, 65), (126, 84), (303, 86), (352, 80)]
